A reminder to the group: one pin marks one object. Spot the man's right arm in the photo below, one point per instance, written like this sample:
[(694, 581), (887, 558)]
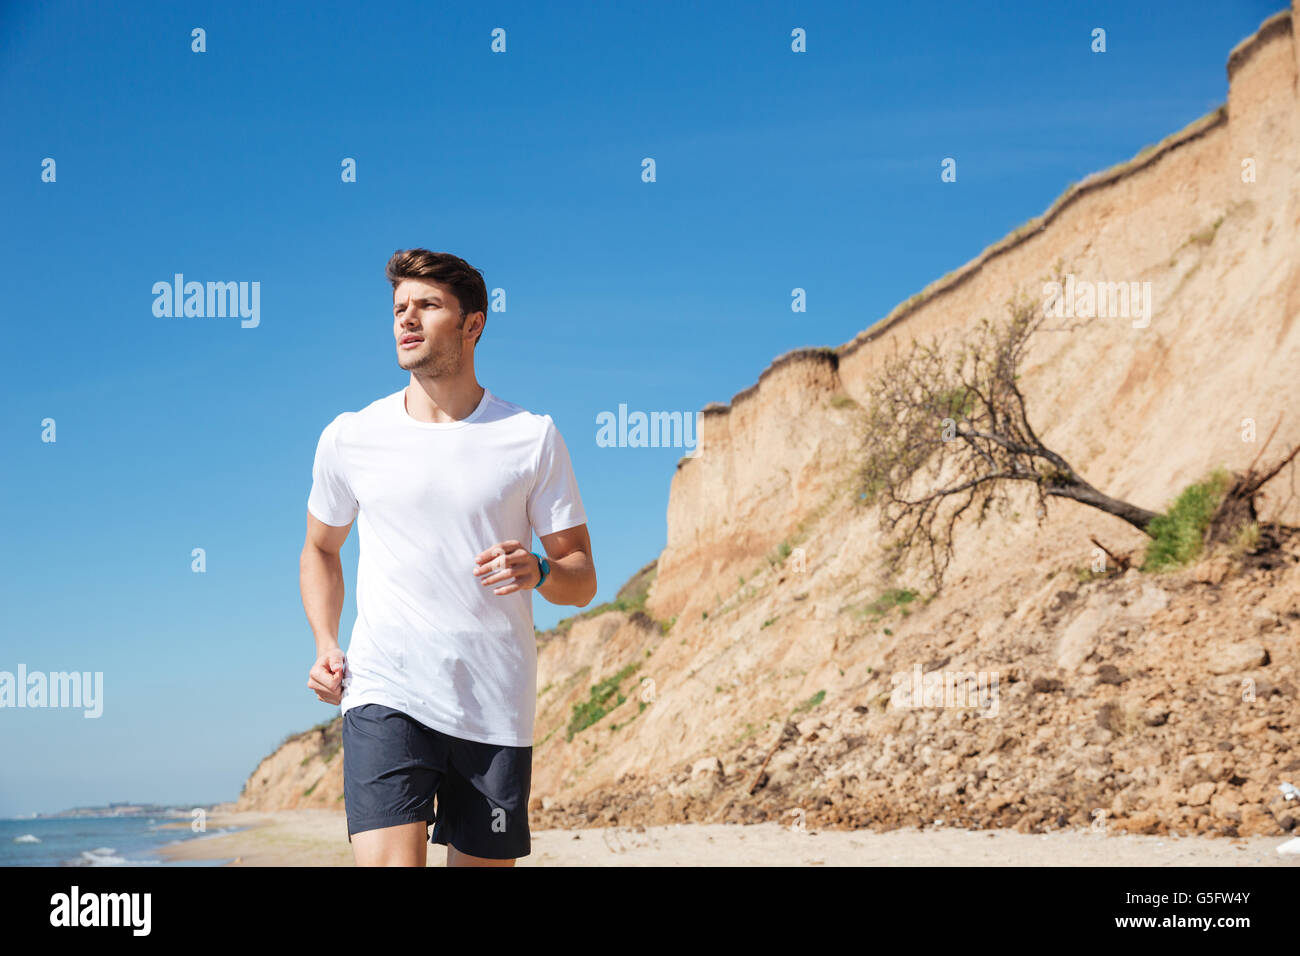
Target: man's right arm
[(320, 578)]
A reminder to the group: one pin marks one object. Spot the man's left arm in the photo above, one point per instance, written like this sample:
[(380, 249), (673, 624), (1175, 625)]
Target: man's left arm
[(573, 574), (507, 567)]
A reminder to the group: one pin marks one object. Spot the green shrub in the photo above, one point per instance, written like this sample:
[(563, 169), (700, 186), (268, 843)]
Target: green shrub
[(594, 707), (1177, 535)]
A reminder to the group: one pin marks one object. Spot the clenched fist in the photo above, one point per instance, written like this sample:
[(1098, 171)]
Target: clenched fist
[(326, 677), (507, 561)]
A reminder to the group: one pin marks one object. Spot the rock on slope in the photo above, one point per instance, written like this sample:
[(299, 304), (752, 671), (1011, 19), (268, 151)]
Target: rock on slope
[(1147, 703)]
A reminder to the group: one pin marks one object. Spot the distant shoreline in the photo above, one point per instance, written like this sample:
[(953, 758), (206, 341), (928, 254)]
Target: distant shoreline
[(132, 811)]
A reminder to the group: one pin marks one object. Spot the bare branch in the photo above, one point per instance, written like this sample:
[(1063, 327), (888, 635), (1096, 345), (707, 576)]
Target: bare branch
[(948, 433)]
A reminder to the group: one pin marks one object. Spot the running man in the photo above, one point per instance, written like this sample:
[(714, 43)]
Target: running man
[(439, 686)]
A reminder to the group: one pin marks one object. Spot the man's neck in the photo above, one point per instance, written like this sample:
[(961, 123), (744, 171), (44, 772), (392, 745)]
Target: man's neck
[(442, 400)]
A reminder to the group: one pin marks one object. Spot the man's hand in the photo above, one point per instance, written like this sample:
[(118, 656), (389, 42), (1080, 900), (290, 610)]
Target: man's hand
[(326, 677), (507, 562)]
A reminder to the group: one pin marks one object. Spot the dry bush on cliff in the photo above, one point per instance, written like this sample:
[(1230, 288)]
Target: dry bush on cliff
[(949, 437)]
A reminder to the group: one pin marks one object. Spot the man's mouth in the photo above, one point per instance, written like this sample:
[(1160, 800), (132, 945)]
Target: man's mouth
[(410, 341)]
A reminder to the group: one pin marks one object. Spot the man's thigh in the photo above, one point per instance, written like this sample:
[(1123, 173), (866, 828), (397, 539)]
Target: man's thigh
[(402, 845)]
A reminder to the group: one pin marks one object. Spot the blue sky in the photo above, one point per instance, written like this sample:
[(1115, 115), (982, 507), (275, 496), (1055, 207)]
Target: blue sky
[(775, 170)]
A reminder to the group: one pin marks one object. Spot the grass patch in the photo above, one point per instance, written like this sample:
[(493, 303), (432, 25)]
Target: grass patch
[(597, 704), (893, 598), (1178, 534), (811, 702)]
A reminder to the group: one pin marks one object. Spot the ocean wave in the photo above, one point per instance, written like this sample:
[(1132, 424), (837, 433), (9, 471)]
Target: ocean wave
[(27, 838), (107, 856), (101, 856)]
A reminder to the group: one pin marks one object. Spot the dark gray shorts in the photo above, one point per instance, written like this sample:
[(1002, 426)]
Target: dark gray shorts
[(396, 770)]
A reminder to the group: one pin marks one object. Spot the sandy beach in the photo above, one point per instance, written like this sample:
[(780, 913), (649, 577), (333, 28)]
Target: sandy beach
[(319, 838)]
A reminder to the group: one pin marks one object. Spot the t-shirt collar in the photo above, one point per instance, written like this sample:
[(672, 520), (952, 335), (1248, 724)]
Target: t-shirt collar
[(399, 401)]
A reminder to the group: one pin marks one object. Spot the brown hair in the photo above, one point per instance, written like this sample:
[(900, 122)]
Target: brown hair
[(465, 282)]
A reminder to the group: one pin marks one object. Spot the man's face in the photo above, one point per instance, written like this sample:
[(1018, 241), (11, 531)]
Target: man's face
[(428, 328)]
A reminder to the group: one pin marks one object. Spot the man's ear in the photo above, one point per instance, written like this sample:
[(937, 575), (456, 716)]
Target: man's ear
[(475, 323)]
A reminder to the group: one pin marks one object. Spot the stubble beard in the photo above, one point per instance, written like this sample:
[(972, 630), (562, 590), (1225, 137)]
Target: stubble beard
[(437, 364)]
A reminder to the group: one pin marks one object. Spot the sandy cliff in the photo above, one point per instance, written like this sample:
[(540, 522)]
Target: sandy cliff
[(1141, 702)]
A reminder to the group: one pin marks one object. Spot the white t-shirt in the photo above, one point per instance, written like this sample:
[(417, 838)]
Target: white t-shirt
[(429, 639)]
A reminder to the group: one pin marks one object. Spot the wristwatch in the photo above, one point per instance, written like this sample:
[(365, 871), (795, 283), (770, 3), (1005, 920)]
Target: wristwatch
[(543, 567)]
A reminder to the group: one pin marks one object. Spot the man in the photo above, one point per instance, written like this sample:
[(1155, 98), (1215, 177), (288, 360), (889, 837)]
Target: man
[(448, 483)]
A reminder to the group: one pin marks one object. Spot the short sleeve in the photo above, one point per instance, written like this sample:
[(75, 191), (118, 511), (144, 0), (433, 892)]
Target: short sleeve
[(554, 503), (331, 499)]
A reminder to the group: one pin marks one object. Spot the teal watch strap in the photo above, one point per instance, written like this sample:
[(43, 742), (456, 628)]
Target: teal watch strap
[(544, 566)]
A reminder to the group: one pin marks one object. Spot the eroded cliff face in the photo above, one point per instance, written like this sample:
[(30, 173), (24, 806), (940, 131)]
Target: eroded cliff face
[(304, 771), (1143, 411), (1153, 703)]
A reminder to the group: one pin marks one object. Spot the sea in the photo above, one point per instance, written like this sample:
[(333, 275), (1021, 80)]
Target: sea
[(97, 841)]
